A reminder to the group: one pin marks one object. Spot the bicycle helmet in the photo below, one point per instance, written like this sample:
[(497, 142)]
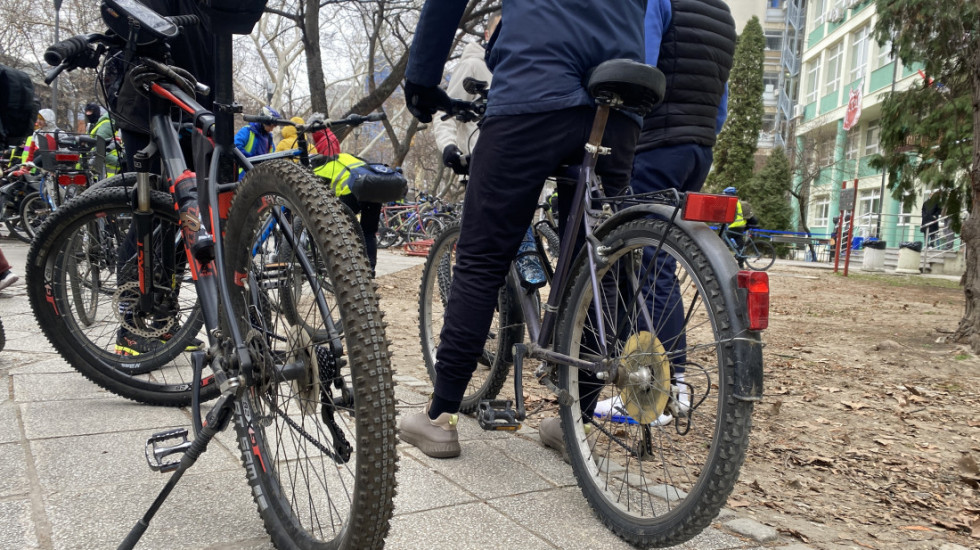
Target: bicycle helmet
[(269, 111), (729, 191)]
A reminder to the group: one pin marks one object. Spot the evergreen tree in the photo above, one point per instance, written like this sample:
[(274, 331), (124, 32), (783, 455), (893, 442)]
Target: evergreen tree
[(937, 120), (734, 154), (769, 193)]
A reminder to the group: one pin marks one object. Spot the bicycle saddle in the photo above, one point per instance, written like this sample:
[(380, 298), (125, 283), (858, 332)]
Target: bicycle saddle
[(639, 86)]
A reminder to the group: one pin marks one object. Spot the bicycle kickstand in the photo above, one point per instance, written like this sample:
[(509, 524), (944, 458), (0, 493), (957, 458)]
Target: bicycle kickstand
[(216, 421), (499, 414)]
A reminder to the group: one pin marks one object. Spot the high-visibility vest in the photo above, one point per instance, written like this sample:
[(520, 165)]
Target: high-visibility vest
[(25, 156), (739, 219), (338, 172)]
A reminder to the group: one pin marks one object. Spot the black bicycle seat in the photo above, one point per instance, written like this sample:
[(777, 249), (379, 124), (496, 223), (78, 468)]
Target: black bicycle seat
[(639, 86)]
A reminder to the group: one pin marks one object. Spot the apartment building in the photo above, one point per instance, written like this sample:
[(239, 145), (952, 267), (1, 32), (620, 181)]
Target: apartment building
[(840, 58)]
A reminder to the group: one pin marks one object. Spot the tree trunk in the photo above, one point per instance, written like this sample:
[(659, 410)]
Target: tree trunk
[(314, 60), (969, 330)]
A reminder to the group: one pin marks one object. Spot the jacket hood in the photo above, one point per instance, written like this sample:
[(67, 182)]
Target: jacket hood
[(288, 132), (473, 50), (49, 122)]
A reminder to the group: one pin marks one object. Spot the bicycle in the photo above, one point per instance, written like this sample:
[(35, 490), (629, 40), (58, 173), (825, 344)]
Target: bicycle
[(759, 255), (603, 337), (297, 352), (64, 175)]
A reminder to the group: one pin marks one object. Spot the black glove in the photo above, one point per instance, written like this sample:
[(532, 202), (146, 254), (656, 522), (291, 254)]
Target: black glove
[(453, 158), (423, 101)]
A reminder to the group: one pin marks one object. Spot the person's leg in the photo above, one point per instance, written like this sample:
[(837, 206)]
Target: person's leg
[(4, 264), (370, 216)]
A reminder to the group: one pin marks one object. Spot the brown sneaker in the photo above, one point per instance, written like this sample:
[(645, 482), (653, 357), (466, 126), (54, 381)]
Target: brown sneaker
[(437, 438), (551, 436)]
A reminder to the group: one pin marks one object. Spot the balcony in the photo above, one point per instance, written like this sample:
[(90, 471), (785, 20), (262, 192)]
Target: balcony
[(795, 15), (790, 61)]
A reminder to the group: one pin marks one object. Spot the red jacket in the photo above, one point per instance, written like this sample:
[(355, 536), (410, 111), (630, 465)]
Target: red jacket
[(326, 143)]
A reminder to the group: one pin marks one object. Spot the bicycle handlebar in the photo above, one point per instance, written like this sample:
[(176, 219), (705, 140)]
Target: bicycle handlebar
[(313, 126), (58, 53)]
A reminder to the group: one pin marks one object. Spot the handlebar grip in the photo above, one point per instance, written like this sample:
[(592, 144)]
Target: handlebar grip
[(184, 20), (56, 54), (375, 117)]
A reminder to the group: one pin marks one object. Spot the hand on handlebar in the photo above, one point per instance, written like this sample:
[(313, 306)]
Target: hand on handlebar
[(454, 158), (424, 101)]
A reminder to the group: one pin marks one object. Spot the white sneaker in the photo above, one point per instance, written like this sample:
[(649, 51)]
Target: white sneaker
[(8, 279), (612, 409), (681, 392)]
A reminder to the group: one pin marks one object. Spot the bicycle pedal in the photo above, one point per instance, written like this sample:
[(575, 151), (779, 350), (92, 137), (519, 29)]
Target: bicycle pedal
[(156, 452), (498, 414)]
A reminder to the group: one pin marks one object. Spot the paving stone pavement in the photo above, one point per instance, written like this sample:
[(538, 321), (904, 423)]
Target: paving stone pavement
[(73, 475)]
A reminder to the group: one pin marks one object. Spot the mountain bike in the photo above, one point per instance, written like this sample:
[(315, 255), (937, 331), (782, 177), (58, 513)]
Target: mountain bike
[(64, 175), (758, 254), (296, 351), (605, 337)]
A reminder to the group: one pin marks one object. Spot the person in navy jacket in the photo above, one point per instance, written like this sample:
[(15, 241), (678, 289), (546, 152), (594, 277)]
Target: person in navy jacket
[(538, 117)]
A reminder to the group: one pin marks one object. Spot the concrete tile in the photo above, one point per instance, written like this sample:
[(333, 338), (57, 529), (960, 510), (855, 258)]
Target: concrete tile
[(13, 471), (16, 525), (9, 425), (464, 527), (560, 516), (74, 463), (39, 363), (422, 488), (55, 387), (484, 471), (64, 418), (203, 510), (533, 455)]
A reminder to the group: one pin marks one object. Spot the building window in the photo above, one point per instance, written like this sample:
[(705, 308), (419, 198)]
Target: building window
[(871, 138), (860, 42), (774, 40), (812, 80), (825, 152), (853, 145), (768, 122), (835, 55), (775, 4), (869, 205), (884, 55), (905, 218), (821, 212), (819, 7)]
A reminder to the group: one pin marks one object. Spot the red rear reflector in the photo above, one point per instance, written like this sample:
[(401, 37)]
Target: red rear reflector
[(701, 207), (66, 158), (757, 300)]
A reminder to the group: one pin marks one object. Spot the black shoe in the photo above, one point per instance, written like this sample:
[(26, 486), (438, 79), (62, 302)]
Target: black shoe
[(128, 343)]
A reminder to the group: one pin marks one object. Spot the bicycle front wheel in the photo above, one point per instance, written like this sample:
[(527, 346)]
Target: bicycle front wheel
[(33, 211), (82, 281), (656, 451), (759, 255), (316, 423), (493, 365)]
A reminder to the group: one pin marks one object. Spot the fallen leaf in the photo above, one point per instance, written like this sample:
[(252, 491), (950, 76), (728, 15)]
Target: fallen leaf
[(915, 528), (854, 406), (968, 464)]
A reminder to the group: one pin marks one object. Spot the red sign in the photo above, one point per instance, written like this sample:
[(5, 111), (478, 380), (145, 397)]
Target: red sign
[(853, 109)]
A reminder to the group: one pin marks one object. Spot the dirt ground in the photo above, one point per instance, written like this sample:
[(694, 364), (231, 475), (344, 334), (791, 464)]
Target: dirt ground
[(869, 432)]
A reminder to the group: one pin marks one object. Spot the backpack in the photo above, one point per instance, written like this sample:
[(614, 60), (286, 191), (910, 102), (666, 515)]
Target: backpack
[(376, 183), (18, 106)]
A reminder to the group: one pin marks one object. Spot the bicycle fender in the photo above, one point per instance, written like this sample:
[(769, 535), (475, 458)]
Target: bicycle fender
[(748, 367)]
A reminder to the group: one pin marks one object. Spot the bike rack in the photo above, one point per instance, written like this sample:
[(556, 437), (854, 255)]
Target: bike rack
[(418, 248)]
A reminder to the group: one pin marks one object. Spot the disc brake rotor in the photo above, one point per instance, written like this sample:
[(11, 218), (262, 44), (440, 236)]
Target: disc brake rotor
[(645, 375), (306, 389), (125, 300)]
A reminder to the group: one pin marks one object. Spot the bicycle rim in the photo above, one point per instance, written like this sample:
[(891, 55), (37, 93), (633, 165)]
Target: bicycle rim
[(93, 230), (319, 446), (653, 481), (759, 255), (493, 365)]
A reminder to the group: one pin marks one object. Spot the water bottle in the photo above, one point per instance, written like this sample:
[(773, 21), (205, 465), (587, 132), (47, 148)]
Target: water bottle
[(529, 265)]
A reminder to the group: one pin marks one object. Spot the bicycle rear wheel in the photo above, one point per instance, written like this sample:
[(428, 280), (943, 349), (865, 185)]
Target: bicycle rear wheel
[(494, 364), (316, 424), (653, 480), (33, 211), (93, 230), (759, 255)]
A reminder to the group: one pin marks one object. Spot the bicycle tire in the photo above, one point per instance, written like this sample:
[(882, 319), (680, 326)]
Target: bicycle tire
[(84, 281), (494, 365), (3, 336), (759, 255), (673, 478), (33, 211), (161, 376), (299, 488), (551, 241)]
